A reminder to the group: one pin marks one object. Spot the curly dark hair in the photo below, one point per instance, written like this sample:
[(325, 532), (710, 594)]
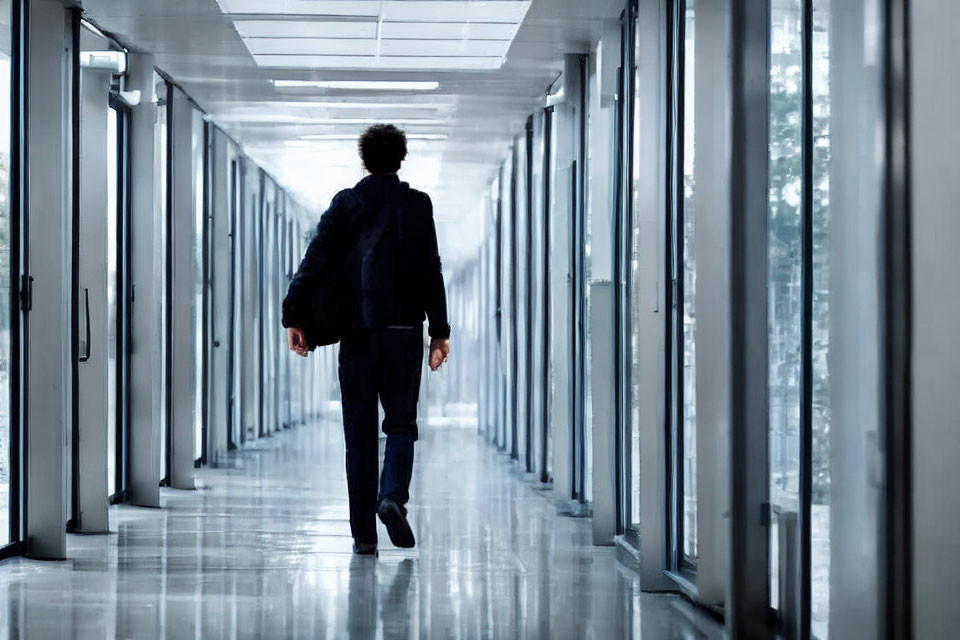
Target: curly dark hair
[(382, 148)]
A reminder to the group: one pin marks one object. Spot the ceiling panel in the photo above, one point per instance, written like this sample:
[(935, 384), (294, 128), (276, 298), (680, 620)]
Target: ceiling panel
[(482, 48), (455, 11), (303, 7), (449, 30), (311, 46), (306, 29)]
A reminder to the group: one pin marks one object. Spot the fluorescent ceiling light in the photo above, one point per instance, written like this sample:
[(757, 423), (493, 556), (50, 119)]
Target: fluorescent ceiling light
[(448, 30), (481, 48), (312, 46), (427, 136), (359, 85), (305, 29), (369, 8), (271, 118), (323, 136), (427, 63), (337, 136), (280, 106)]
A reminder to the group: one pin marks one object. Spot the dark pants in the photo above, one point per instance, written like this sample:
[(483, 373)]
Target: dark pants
[(382, 364)]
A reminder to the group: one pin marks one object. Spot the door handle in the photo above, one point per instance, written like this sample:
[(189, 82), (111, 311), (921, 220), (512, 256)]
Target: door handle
[(86, 304)]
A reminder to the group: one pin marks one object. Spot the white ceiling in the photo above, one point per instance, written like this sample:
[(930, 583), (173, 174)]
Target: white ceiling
[(304, 135)]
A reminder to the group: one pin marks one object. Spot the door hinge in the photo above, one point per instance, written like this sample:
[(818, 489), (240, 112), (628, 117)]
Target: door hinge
[(26, 292), (765, 514)]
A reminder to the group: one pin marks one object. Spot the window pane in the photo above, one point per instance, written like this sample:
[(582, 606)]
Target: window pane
[(784, 273), (506, 311), (112, 301), (689, 275), (522, 311), (160, 173), (198, 168), (5, 246), (633, 273), (820, 508)]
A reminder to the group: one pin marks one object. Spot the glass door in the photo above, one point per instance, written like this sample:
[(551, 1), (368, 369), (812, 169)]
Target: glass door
[(681, 273), (234, 409), (622, 232), (163, 178), (118, 298), (11, 459), (579, 291), (799, 330), (549, 170)]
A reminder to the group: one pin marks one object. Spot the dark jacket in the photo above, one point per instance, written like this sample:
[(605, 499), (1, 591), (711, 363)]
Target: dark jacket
[(398, 282)]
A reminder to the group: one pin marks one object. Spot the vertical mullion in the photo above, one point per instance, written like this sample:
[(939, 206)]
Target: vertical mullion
[(896, 569), (806, 349)]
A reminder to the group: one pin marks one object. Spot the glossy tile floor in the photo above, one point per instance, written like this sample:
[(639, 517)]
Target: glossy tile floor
[(262, 550)]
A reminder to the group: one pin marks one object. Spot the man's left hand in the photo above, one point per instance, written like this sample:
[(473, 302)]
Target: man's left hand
[(439, 353)]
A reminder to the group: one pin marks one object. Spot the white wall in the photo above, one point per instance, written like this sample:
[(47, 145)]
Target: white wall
[(48, 262)]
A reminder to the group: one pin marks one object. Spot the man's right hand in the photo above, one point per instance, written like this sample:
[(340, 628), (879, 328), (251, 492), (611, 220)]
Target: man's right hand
[(297, 341)]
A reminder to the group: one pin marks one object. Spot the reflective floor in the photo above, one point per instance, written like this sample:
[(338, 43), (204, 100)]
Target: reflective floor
[(262, 550)]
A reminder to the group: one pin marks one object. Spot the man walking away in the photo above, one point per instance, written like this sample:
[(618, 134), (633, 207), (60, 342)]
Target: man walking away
[(379, 240)]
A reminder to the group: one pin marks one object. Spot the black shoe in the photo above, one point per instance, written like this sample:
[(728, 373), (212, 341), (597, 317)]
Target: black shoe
[(364, 548), (394, 517)]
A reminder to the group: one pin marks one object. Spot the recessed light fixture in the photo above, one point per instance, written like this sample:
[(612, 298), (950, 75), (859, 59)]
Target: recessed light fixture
[(359, 85)]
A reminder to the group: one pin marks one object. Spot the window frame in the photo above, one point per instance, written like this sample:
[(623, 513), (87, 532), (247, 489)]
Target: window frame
[(20, 282)]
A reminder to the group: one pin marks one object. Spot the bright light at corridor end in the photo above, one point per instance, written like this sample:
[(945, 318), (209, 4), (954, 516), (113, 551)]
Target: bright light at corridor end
[(358, 85)]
